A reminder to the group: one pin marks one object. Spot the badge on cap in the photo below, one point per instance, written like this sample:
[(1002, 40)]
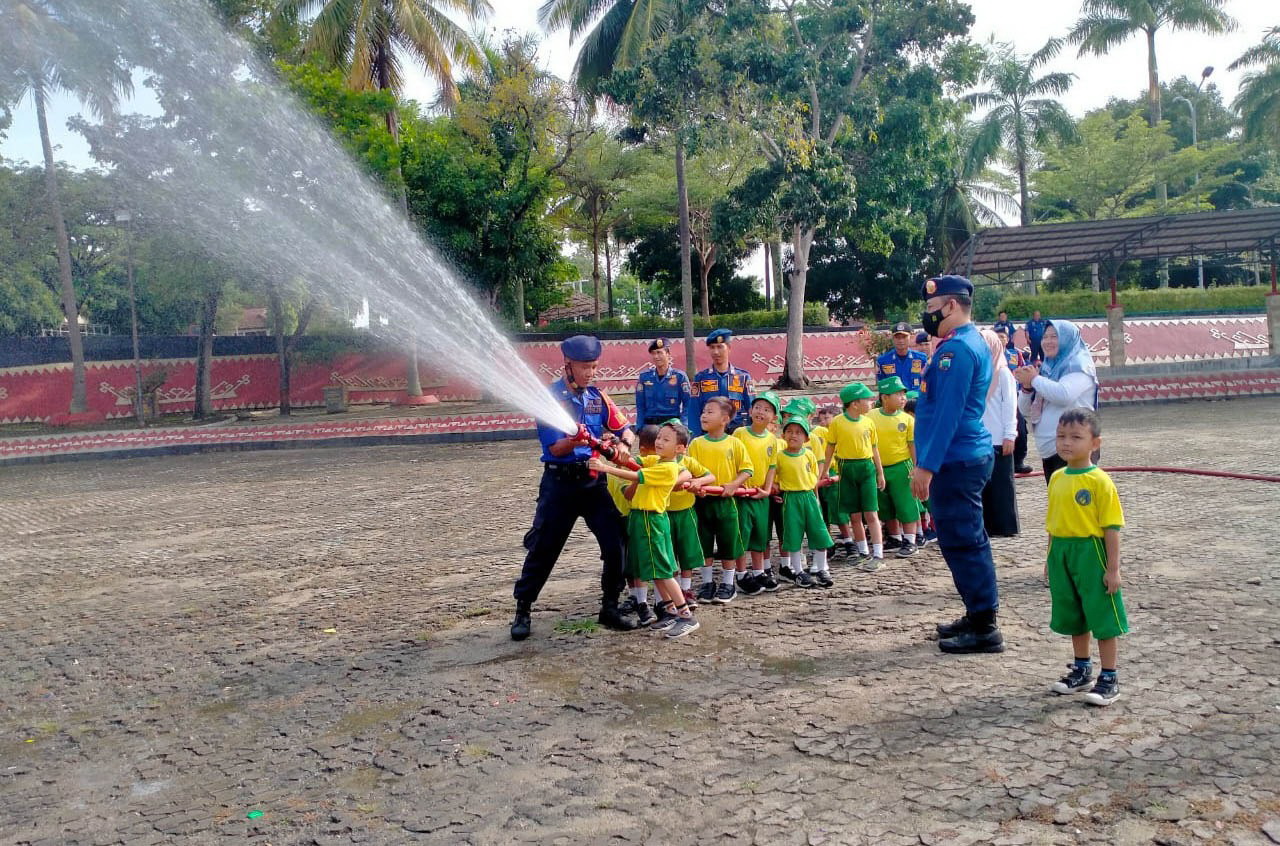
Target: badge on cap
[(930, 287)]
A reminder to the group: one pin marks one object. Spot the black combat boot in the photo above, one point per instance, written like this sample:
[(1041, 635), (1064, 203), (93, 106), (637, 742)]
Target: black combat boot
[(614, 617), (522, 625), (955, 627), (983, 635)]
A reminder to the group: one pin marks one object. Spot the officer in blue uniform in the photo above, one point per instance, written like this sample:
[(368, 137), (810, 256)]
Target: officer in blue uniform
[(570, 490), (662, 391), (954, 460), (902, 361), (721, 379)]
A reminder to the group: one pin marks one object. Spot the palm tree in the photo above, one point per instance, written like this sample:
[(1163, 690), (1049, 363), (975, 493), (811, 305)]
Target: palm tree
[(1258, 100), (972, 196), (47, 50), (367, 37), (1023, 115)]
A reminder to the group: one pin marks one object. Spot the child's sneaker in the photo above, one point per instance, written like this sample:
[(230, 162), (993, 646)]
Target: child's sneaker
[(787, 573), (906, 550), (768, 582), (1105, 690), (644, 613), (1080, 678), (872, 564), (707, 592), (665, 622), (822, 579), (892, 542), (690, 600), (749, 585), (803, 580), (683, 626), (725, 593)]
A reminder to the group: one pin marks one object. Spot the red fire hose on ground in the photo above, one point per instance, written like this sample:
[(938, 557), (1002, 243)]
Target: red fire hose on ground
[(1190, 471)]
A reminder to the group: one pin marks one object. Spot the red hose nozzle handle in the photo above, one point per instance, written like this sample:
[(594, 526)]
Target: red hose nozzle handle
[(606, 450)]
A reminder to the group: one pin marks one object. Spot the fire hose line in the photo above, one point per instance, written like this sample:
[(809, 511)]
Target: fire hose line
[(1190, 471)]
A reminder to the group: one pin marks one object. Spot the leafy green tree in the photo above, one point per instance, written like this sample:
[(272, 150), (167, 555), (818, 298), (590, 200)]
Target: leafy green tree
[(812, 81), (971, 195), (43, 51), (1258, 99), (1023, 113), (614, 33), (1215, 121)]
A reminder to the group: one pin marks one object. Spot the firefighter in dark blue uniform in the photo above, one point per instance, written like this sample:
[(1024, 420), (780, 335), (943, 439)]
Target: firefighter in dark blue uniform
[(954, 460), (902, 361), (662, 391), (721, 379), (569, 490)]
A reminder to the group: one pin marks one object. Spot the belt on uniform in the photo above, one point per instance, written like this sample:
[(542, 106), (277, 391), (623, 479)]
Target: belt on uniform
[(571, 470)]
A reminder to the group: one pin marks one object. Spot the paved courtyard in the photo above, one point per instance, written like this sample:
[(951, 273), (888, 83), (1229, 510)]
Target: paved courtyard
[(310, 646)]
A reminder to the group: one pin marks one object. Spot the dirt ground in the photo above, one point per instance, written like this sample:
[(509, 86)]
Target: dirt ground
[(311, 646)]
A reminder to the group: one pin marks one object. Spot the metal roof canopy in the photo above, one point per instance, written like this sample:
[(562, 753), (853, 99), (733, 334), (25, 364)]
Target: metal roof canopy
[(1007, 249)]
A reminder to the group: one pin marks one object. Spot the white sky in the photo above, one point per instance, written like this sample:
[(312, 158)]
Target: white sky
[(1025, 23)]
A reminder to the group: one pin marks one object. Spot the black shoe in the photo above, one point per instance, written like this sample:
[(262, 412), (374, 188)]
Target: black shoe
[(804, 581), (974, 641), (725, 593), (707, 592), (644, 614), (768, 582), (522, 625), (787, 573), (892, 543), (1023, 469), (922, 541), (614, 617), (749, 585), (1105, 690), (955, 627), (1080, 677), (907, 549), (822, 579)]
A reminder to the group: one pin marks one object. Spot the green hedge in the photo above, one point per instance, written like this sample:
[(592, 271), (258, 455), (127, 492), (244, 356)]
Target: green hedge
[(815, 314), (1138, 301)]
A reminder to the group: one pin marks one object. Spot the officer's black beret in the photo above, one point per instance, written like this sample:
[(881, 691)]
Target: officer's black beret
[(659, 344), (940, 285), (581, 348)]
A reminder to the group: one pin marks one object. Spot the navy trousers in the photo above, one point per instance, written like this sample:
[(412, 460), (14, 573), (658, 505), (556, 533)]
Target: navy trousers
[(955, 498), (566, 493)]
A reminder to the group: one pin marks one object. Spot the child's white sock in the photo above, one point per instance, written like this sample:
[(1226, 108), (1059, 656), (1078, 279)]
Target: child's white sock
[(896, 537), (797, 561), (877, 550), (728, 577), (708, 575), (862, 547), (641, 594), (820, 561), (686, 582)]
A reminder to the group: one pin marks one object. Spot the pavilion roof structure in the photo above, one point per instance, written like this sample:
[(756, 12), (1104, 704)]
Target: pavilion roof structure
[(1004, 250)]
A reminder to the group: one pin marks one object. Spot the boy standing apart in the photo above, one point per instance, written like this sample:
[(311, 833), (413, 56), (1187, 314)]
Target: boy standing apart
[(1084, 521), (726, 459), (896, 437), (753, 512), (649, 549), (851, 437), (801, 513)]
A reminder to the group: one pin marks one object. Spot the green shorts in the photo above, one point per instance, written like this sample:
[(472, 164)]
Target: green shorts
[(718, 528), (801, 518), (829, 498), (858, 492), (775, 517), (684, 538), (753, 523), (649, 553), (896, 501), (1081, 604)]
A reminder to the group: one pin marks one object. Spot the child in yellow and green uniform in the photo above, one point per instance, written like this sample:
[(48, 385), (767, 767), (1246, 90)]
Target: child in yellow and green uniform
[(726, 459), (801, 512), (851, 437), (1084, 521), (649, 551), (896, 437), (797, 408), (680, 512), (829, 495), (753, 512)]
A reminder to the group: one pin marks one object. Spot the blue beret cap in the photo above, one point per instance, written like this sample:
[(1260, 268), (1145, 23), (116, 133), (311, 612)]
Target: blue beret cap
[(581, 348), (718, 335), (940, 285)]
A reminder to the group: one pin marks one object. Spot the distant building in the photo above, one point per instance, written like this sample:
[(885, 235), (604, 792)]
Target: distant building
[(580, 307)]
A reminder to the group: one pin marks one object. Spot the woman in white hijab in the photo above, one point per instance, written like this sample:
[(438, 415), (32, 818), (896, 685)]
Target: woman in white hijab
[(999, 502)]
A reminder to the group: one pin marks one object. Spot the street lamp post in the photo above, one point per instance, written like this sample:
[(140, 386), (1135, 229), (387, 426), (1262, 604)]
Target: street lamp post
[(1195, 142), (125, 217)]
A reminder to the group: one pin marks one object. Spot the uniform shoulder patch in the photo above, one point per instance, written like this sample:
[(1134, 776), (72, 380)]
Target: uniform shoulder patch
[(944, 360), (1083, 497)]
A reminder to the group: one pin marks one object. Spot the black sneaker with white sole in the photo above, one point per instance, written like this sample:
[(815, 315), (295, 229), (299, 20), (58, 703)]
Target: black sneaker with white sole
[(768, 582), (892, 543), (822, 579), (785, 572), (725, 593), (907, 549), (804, 581), (707, 592), (644, 613), (1079, 678), (749, 585), (1105, 690)]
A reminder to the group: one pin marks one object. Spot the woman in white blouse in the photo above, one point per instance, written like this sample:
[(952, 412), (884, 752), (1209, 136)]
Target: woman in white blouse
[(999, 504), (1067, 379)]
